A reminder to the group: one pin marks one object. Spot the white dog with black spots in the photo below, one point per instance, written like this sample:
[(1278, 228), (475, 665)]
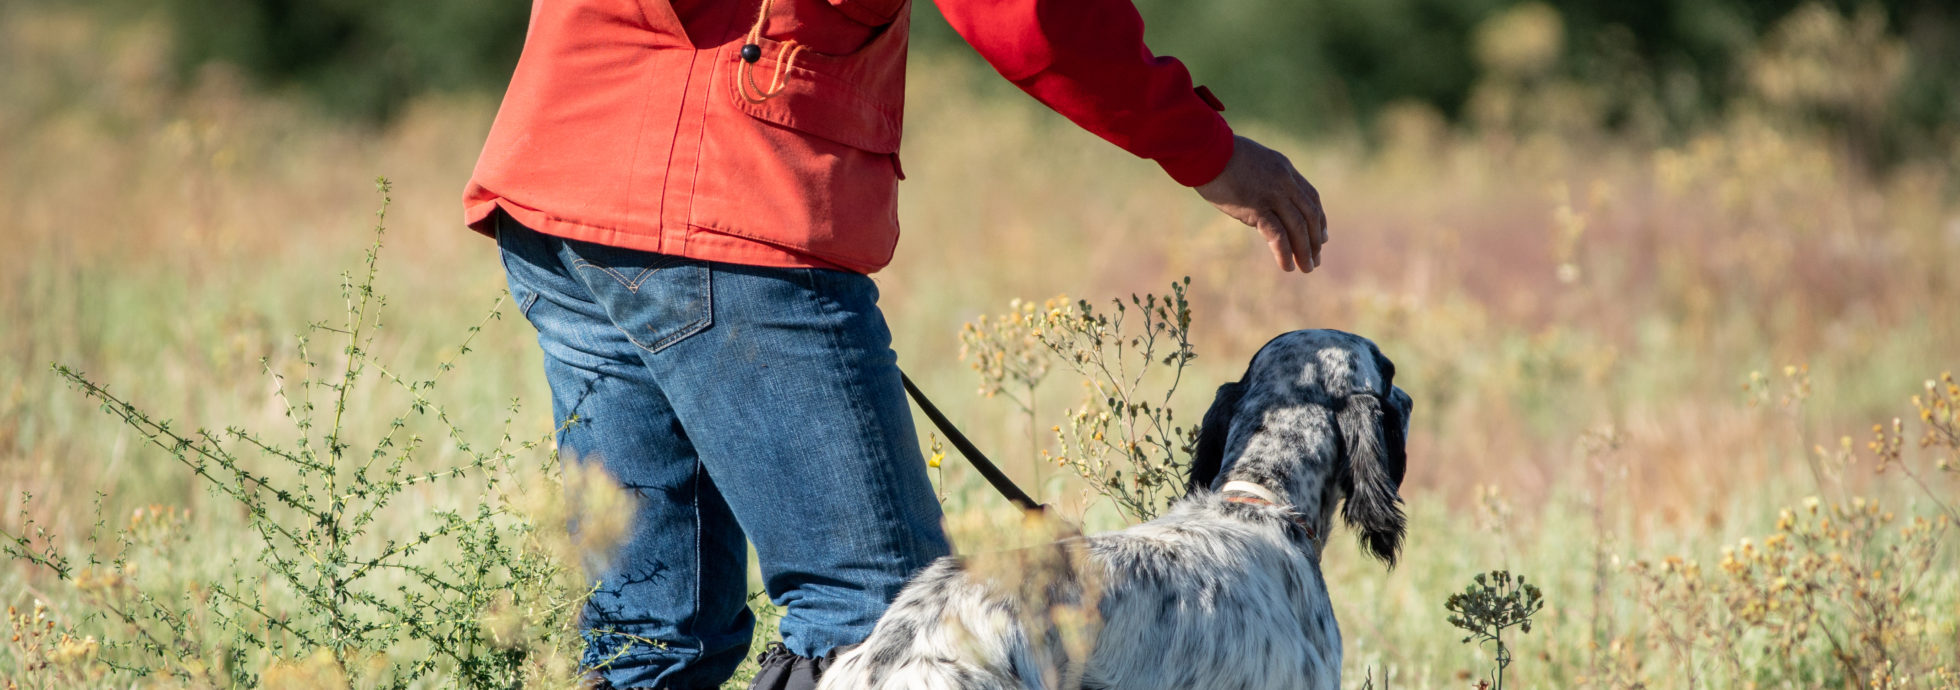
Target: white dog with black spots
[(1224, 591)]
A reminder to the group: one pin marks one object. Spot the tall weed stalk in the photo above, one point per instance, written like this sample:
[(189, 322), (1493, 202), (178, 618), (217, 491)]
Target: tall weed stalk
[(333, 586), (1122, 440)]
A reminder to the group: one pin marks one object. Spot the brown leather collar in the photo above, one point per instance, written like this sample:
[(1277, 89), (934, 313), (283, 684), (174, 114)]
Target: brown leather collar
[(1294, 516)]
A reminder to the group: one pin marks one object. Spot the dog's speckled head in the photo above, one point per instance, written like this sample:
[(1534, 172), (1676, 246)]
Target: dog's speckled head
[(1318, 419)]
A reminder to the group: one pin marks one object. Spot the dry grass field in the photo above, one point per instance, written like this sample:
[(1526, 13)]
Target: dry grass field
[(1658, 376)]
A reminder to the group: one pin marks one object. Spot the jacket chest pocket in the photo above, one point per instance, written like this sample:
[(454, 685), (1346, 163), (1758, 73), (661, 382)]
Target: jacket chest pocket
[(800, 147), (843, 99), (871, 12)]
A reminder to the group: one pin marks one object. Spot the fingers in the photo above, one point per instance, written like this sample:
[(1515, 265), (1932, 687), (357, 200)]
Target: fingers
[(1310, 203), (1316, 224), (1292, 232), (1278, 240), (1261, 188), (1305, 200), (1306, 250)]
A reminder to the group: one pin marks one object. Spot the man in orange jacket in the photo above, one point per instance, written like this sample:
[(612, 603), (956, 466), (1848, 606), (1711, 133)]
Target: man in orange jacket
[(688, 196)]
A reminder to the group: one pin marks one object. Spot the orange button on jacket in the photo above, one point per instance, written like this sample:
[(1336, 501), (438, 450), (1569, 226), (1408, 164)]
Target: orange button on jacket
[(639, 124)]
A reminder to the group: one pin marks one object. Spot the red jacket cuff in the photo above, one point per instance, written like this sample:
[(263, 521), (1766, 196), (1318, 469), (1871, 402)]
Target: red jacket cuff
[(1203, 161)]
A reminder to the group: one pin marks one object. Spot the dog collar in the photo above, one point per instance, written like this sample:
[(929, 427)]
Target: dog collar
[(1261, 495)]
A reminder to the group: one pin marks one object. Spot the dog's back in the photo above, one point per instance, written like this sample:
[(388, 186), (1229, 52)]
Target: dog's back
[(943, 634), (1240, 604)]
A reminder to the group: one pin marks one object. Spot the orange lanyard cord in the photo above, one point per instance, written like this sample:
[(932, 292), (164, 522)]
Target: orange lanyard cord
[(785, 60)]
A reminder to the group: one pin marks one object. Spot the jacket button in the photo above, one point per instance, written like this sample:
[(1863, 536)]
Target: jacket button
[(751, 52)]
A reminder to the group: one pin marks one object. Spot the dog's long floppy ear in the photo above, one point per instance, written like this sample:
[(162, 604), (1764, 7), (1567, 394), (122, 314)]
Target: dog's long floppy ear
[(1395, 430), (1208, 459), (1377, 456)]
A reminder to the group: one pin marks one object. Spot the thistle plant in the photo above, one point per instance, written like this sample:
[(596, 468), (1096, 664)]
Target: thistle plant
[(1494, 602), (473, 596)]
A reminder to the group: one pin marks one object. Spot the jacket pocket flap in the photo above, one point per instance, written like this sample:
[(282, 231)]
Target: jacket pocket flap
[(870, 12), (824, 95)]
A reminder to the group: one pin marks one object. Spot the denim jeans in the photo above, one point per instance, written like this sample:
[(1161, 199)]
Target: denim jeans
[(731, 401)]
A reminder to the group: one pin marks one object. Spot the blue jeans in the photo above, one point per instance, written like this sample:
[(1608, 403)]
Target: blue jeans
[(732, 401)]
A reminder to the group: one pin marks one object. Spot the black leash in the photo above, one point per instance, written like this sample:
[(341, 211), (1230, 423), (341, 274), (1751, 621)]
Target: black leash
[(980, 462)]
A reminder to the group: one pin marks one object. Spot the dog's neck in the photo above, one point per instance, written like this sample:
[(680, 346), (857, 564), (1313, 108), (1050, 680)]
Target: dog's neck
[(1254, 494), (1249, 492), (1291, 485)]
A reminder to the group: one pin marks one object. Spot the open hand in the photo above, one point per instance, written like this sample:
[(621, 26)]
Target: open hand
[(1260, 188)]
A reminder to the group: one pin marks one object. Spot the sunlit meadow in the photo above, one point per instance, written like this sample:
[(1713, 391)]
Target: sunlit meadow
[(1690, 385)]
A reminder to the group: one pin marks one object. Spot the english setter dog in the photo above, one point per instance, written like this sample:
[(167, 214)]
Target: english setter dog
[(1223, 591)]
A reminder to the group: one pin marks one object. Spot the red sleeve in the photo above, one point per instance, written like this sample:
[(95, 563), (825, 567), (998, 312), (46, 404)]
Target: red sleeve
[(1086, 60)]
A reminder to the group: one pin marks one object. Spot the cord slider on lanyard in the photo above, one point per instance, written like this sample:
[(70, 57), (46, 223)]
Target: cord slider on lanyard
[(752, 53)]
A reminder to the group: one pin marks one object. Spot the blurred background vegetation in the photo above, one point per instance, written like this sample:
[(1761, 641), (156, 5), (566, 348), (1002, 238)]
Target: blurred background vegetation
[(1649, 69)]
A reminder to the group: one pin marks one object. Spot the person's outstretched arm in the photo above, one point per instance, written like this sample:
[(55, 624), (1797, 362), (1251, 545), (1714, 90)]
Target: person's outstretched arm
[(1086, 60)]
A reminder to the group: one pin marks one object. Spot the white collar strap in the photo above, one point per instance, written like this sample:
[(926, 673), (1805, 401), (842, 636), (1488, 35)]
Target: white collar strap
[(1254, 489)]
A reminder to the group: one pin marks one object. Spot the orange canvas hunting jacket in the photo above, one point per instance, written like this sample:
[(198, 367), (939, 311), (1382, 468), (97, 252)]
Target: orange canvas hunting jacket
[(640, 124)]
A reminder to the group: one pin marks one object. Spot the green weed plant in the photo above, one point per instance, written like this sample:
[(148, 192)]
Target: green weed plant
[(1494, 602), (481, 596), (1122, 440)]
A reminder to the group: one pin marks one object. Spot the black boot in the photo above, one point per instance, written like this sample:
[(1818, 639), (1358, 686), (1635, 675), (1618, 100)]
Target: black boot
[(782, 670)]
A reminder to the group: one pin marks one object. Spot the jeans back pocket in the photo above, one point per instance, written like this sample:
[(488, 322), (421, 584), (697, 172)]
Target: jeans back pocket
[(657, 300)]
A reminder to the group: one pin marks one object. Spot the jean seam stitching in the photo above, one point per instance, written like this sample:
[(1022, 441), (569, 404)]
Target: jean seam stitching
[(872, 429), (700, 594), (683, 331), (632, 286), (707, 297)]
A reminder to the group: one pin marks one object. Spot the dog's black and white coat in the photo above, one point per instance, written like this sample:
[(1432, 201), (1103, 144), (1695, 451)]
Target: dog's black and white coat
[(1223, 591)]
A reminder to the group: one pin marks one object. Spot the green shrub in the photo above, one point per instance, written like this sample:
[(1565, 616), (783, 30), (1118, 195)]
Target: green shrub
[(338, 588)]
